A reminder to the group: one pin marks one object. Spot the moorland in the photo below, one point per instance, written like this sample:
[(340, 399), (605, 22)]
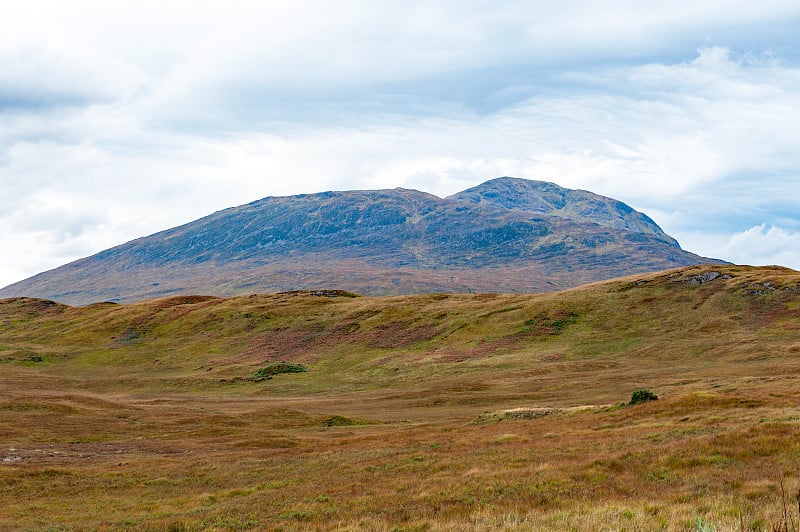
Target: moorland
[(320, 410)]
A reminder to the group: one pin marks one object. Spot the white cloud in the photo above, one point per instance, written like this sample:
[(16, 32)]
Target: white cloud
[(199, 51), (151, 114), (762, 246), (675, 152)]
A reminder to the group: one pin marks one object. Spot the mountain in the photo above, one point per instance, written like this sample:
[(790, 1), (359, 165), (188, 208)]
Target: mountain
[(506, 235), (319, 410), (541, 197)]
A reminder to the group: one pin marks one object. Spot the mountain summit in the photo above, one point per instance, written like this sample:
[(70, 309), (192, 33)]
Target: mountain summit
[(542, 197), (505, 235)]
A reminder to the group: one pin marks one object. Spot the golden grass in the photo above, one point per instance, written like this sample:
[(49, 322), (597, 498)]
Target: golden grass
[(450, 412)]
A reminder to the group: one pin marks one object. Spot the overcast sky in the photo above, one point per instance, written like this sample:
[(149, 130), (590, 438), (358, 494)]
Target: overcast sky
[(119, 119)]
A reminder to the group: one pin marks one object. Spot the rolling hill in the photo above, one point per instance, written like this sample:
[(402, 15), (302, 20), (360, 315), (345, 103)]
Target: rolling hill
[(506, 235), (328, 410)]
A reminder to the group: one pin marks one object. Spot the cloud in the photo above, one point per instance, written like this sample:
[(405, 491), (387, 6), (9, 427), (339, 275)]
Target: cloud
[(764, 246), (108, 135), (38, 78), (180, 55), (673, 152)]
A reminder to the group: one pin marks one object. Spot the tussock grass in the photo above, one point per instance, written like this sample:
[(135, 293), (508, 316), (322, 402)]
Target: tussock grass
[(165, 429)]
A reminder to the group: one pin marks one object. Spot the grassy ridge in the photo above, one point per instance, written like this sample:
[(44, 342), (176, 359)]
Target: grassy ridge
[(153, 411)]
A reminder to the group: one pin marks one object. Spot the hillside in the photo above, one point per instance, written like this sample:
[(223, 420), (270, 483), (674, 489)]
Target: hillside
[(506, 235), (436, 411)]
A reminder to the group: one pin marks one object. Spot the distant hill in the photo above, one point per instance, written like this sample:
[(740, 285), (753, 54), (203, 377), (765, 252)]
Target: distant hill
[(506, 235)]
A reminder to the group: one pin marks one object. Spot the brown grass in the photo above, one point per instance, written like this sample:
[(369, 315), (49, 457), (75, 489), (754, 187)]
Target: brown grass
[(449, 412)]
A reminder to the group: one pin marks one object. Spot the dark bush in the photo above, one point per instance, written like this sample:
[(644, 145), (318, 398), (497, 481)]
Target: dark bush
[(640, 395), (274, 369)]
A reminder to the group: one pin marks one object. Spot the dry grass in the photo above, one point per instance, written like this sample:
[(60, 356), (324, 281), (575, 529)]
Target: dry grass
[(141, 416)]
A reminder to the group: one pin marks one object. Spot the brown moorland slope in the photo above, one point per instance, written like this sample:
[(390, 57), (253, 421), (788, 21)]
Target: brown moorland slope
[(427, 412)]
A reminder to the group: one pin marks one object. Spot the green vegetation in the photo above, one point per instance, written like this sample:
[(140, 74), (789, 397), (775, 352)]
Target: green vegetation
[(276, 368), (438, 412), (640, 395), (342, 421)]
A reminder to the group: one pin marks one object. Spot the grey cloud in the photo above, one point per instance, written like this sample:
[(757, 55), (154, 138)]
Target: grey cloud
[(36, 79), (61, 223)]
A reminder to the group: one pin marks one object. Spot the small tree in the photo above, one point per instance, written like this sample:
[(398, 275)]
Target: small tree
[(641, 395)]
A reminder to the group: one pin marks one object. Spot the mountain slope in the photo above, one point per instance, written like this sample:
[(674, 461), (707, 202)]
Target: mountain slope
[(508, 235)]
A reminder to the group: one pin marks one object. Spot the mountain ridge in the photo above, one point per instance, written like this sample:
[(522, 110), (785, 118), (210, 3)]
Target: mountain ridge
[(505, 235)]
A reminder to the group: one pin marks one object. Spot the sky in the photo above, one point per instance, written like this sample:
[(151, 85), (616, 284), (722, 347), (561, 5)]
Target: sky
[(119, 119)]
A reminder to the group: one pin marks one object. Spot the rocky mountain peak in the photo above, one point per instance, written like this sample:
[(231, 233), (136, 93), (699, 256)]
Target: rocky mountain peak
[(549, 199)]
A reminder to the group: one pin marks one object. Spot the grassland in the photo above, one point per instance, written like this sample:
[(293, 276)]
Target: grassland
[(429, 412)]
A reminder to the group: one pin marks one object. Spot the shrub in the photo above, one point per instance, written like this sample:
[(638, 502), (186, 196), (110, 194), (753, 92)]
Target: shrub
[(341, 421), (641, 395), (274, 369)]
